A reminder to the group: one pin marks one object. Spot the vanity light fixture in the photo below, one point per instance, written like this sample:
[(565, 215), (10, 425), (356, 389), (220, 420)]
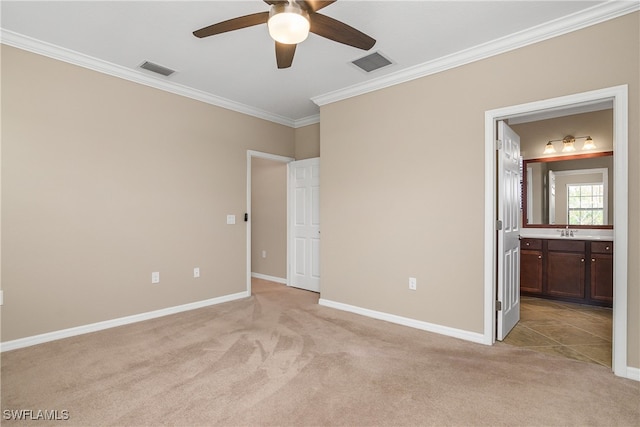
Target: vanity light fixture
[(589, 144), (568, 144), (549, 148)]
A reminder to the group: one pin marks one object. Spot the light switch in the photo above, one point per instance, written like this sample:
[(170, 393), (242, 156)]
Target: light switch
[(231, 219)]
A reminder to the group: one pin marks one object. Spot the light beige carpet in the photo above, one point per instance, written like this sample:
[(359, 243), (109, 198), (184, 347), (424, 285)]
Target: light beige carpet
[(278, 358)]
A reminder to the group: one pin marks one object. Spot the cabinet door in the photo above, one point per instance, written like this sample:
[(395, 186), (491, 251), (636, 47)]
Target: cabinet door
[(602, 277), (565, 274), (531, 271)]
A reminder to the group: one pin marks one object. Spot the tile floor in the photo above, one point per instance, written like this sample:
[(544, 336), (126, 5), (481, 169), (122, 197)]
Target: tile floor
[(571, 330)]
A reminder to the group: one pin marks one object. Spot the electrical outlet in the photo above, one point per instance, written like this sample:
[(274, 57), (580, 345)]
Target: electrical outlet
[(264, 254), (196, 272), (413, 283), (155, 277)]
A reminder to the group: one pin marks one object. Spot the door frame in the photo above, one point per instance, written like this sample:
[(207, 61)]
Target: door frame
[(619, 97), (259, 154)]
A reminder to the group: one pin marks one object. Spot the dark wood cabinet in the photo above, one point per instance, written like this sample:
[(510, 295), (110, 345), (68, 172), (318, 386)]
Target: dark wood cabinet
[(531, 266), (602, 272), (570, 270), (566, 268)]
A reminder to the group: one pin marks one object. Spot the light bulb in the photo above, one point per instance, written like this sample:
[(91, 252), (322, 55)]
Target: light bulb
[(288, 23), (549, 148), (568, 146), (589, 144)]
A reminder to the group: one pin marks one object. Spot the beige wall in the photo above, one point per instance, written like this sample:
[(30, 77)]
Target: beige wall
[(307, 142), (535, 135), (269, 217), (105, 181), (403, 176)]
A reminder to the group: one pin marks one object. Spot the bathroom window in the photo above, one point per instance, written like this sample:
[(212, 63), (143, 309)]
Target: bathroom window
[(586, 204)]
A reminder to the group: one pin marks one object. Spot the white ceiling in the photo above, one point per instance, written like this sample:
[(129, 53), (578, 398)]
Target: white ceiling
[(237, 69)]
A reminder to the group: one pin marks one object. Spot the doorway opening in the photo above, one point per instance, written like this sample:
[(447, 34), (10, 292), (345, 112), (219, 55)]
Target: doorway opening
[(271, 231), (617, 96)]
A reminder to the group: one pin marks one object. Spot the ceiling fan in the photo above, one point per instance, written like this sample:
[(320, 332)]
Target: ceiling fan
[(290, 22)]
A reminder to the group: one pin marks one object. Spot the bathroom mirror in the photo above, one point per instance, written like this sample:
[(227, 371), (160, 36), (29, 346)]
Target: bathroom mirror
[(568, 190)]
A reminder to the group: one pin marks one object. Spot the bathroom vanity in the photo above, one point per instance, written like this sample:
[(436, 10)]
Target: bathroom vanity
[(568, 269), (559, 260)]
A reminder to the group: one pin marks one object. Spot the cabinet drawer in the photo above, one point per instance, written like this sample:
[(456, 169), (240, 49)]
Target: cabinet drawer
[(602, 247), (566, 245), (531, 244)]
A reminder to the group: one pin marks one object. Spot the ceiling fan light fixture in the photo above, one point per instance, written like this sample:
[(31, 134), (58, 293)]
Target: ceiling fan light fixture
[(288, 23)]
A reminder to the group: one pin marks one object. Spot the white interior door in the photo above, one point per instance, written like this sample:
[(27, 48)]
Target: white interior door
[(304, 224), (509, 232)]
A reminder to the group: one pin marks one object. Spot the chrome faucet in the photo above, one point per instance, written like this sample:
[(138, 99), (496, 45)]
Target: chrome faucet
[(565, 232)]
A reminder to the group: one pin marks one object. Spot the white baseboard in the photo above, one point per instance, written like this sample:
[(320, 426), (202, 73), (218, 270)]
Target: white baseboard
[(405, 321), (94, 327), (633, 373), (269, 278)]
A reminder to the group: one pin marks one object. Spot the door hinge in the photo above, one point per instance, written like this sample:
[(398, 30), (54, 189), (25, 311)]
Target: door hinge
[(498, 144), (498, 305), (499, 224)]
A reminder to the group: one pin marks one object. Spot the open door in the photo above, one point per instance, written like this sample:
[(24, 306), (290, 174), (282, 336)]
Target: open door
[(304, 224), (509, 194)]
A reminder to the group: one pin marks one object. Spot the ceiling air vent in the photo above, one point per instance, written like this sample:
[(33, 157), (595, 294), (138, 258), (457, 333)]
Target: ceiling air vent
[(372, 62), (157, 68)]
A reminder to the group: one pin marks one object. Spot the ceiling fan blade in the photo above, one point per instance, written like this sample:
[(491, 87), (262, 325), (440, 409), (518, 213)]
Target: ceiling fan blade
[(340, 32), (272, 2), (233, 24), (284, 54), (314, 5)]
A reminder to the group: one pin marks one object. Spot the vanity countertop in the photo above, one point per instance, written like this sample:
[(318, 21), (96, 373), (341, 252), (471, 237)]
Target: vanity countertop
[(555, 233)]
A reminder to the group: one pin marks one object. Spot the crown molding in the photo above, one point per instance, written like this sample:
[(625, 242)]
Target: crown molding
[(306, 121), (579, 20), (30, 44)]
